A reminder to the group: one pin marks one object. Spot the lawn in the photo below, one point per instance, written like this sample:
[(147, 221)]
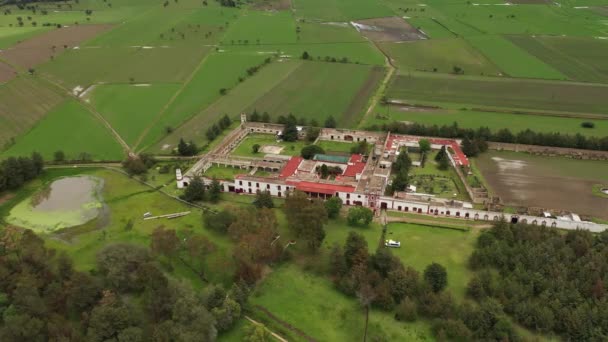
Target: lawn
[(502, 93), (340, 10), (422, 245), (318, 90), (439, 55), (130, 108), (70, 128), (442, 183), (335, 146), (495, 121), (217, 71), (23, 101), (513, 60), (579, 58), (224, 173), (325, 314), (245, 148), (232, 104)]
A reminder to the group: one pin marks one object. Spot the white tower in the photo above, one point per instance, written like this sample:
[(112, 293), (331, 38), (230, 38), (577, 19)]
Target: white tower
[(243, 118)]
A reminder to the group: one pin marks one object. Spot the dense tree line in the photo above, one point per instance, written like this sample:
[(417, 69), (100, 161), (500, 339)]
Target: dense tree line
[(401, 171), (504, 135), (547, 280), (214, 131), (127, 298), (197, 191), (307, 218), (14, 172), (381, 280)]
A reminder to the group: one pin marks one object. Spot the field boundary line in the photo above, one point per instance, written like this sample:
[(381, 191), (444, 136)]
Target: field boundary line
[(193, 117), (171, 101), (383, 85)]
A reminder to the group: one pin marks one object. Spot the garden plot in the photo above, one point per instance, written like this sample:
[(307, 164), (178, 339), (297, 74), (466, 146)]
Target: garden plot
[(390, 29), (42, 48)]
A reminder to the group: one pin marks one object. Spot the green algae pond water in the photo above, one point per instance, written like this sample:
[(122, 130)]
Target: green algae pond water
[(64, 203)]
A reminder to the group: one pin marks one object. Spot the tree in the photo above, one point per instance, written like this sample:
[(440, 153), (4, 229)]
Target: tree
[(290, 131), (255, 148), (306, 218), (59, 156), (120, 264), (312, 134), (355, 250), (195, 190), (407, 311), (186, 149), (436, 276), (469, 148), (215, 191), (219, 222), (359, 216), (330, 122), (309, 151), (305, 55), (333, 206), (263, 199), (425, 145), (258, 333), (361, 147), (164, 242)]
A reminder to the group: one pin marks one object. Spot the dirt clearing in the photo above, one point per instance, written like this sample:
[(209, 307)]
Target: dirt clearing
[(6, 73), (551, 183), (271, 149), (391, 29), (39, 49)]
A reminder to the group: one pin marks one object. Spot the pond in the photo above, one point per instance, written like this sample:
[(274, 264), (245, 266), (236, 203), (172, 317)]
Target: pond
[(66, 202)]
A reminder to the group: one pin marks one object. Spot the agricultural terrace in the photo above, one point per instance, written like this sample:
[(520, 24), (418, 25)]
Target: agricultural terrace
[(494, 120), (521, 179)]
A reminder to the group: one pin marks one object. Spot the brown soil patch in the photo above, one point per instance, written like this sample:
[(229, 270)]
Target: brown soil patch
[(39, 49), (526, 182), (5, 198), (358, 103), (603, 10), (6, 73), (390, 29), (270, 5)]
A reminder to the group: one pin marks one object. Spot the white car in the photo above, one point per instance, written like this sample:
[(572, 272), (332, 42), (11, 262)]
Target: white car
[(392, 243)]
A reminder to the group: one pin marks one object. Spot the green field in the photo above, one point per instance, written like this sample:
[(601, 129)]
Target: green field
[(23, 102), (335, 146), (262, 28), (70, 128), (340, 10), (87, 66), (439, 55), (579, 58), (217, 71), (319, 90), (10, 36), (502, 93), (224, 173), (232, 104), (129, 108), (495, 121), (512, 60)]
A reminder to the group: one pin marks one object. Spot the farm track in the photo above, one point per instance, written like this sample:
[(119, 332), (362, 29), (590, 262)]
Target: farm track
[(383, 86)]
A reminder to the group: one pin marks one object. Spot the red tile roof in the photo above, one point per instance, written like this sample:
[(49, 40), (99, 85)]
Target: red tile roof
[(355, 166), (321, 188), (291, 167)]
